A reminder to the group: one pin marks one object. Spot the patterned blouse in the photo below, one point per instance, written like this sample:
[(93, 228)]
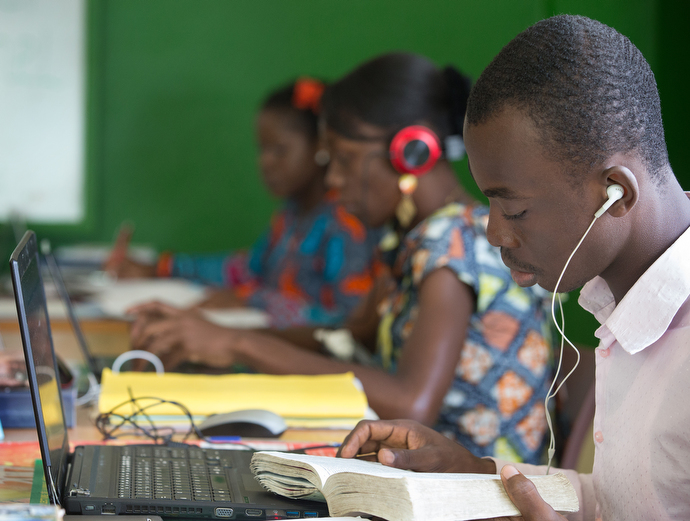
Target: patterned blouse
[(496, 403), (306, 269)]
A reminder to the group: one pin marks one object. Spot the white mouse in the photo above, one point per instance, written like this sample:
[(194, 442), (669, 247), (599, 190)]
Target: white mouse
[(249, 423)]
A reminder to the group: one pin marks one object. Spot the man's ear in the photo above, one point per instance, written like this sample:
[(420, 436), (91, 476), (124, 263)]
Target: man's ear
[(623, 176)]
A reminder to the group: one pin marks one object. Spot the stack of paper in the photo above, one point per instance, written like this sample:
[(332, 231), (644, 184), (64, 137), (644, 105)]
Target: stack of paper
[(304, 401), (116, 297)]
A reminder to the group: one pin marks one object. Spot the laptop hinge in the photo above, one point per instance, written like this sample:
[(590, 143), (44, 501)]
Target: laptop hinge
[(78, 484)]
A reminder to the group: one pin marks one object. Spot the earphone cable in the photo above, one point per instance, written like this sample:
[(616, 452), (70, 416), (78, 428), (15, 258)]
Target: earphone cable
[(561, 329)]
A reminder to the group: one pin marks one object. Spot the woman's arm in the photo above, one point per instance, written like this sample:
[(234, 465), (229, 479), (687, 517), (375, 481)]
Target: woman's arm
[(426, 367), (424, 374), (425, 370)]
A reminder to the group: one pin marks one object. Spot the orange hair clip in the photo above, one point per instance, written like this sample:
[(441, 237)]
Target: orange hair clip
[(306, 94)]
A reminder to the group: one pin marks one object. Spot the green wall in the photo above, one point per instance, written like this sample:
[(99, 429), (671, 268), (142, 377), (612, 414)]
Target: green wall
[(174, 86)]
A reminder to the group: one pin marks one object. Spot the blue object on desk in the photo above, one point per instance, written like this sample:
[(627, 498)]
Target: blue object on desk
[(16, 409)]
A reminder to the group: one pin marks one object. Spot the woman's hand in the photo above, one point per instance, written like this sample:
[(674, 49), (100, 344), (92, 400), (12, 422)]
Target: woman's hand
[(406, 444), (130, 269), (221, 299), (181, 335)]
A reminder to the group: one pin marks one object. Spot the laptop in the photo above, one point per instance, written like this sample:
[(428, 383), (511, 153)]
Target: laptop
[(94, 366), (177, 481)]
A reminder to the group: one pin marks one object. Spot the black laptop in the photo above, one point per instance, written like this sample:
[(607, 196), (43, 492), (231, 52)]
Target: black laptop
[(180, 481)]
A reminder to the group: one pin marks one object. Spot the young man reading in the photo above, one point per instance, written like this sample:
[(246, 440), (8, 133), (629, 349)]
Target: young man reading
[(567, 109)]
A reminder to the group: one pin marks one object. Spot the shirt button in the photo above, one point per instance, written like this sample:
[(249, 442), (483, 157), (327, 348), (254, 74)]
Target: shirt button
[(598, 436), (604, 352)]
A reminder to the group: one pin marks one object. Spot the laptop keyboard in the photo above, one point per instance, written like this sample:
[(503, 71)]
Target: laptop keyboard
[(184, 473)]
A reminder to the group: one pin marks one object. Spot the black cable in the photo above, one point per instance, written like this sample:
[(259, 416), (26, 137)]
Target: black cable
[(160, 435)]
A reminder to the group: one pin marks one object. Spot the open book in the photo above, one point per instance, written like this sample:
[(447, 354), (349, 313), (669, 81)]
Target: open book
[(354, 487)]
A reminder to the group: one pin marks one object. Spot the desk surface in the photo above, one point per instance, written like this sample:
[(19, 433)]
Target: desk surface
[(110, 338), (105, 338)]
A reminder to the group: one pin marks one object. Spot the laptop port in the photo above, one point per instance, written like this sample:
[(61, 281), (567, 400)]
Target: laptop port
[(108, 510), (254, 512), (224, 512), (292, 514), (311, 514)]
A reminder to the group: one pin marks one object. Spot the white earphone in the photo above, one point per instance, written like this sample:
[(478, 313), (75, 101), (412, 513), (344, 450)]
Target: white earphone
[(614, 192)]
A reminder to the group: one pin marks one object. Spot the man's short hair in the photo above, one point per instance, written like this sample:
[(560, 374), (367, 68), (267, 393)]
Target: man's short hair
[(588, 89)]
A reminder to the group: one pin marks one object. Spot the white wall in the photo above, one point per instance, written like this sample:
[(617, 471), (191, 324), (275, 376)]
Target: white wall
[(42, 110)]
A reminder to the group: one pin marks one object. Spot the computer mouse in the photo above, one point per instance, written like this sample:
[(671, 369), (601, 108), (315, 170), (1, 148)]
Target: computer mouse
[(249, 423)]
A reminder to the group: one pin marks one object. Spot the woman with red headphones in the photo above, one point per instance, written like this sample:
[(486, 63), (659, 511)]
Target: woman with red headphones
[(463, 346), (457, 344)]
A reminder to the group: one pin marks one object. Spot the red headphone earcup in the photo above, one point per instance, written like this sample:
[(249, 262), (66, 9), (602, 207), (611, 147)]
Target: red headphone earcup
[(414, 150)]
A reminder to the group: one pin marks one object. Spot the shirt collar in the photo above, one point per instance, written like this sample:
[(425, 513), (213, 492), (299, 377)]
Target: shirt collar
[(647, 309)]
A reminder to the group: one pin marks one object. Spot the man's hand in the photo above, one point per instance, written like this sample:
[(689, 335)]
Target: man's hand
[(181, 335), (525, 497), (406, 444)]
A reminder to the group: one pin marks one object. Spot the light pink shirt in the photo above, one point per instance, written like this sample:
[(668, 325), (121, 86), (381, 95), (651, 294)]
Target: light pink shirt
[(642, 420)]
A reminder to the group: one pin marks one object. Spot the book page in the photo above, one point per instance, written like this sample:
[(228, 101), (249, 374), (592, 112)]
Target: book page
[(290, 486), (327, 466)]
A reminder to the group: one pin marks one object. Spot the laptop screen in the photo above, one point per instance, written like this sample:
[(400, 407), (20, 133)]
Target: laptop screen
[(59, 282), (42, 366)]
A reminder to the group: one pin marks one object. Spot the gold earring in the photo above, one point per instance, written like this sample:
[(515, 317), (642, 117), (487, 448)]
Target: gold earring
[(406, 209), (322, 157)]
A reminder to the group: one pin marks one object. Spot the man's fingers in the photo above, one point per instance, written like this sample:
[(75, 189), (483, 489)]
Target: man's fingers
[(354, 441), (367, 436), (419, 460)]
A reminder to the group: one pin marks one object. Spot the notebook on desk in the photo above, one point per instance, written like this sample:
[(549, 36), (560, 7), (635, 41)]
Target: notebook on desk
[(184, 481)]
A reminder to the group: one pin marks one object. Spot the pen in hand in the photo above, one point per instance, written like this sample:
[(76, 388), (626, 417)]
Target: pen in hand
[(118, 255)]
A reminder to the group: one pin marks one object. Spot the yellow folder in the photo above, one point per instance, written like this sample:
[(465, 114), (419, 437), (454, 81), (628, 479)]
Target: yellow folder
[(297, 396)]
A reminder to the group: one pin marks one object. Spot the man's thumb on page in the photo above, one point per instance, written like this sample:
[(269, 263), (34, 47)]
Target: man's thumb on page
[(525, 497)]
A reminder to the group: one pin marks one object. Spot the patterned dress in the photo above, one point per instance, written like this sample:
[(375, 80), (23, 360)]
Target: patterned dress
[(306, 269), (496, 403)]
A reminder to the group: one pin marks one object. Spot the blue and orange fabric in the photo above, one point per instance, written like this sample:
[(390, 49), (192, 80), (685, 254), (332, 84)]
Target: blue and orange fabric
[(305, 269), (495, 406)]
